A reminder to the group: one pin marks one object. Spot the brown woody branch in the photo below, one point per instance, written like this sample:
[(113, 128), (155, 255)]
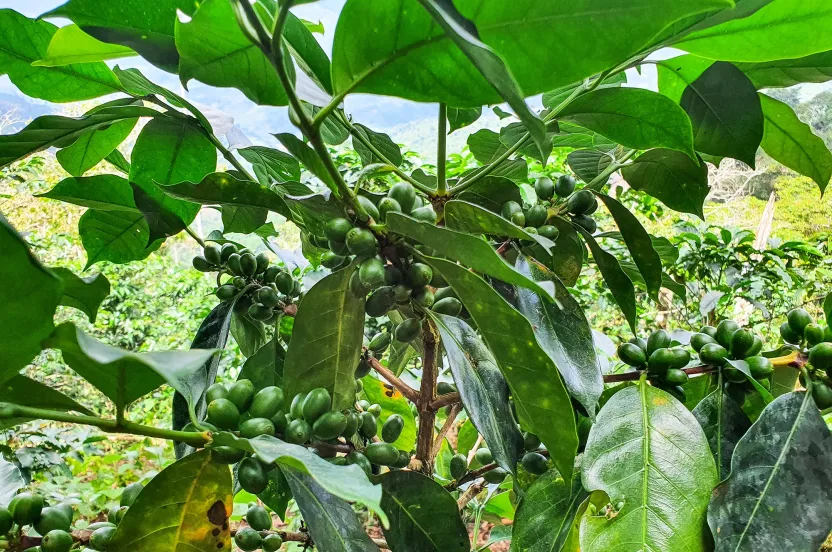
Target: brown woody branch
[(427, 416), (445, 400), (470, 493), (409, 393), (446, 427)]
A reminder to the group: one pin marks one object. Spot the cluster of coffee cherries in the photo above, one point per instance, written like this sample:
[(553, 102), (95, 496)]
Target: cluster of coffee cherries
[(532, 461), (663, 359), (258, 534), (801, 330), (265, 289)]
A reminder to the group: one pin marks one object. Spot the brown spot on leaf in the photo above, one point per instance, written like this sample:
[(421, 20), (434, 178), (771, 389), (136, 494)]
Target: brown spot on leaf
[(217, 514), (215, 532)]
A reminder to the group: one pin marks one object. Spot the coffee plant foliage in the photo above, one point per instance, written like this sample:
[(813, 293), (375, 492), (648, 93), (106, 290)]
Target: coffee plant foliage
[(713, 440)]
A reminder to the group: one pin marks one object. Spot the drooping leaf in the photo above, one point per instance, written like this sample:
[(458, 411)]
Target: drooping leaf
[(186, 506), (781, 29), (789, 72), (24, 391), (726, 114), (491, 192), (221, 188), (332, 522), (424, 516), (547, 513), (482, 387), (70, 45), (465, 248), (588, 164), (647, 450), (215, 51), (391, 402), (326, 341), (30, 294), (485, 145), (672, 178), (118, 236), (124, 376), (536, 386), (779, 494), (461, 117), (633, 117), (791, 142), (306, 155), (473, 219), (25, 41), (564, 333), (93, 146), (85, 294), (248, 334), (271, 165), (619, 284), (724, 424), (10, 481), (382, 142), (743, 367)]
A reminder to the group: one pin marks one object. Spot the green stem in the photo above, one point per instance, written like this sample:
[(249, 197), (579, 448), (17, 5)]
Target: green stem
[(11, 411), (442, 151), (599, 181), (193, 234), (229, 156)]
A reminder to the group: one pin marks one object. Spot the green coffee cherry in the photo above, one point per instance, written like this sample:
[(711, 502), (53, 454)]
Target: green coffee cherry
[(361, 242), (56, 540), (226, 251), (483, 456), (798, 319), (336, 230), (371, 273), (226, 292), (510, 208), (404, 194), (255, 427), (388, 205), (247, 539), (369, 427), (214, 392), (298, 432), (316, 403), (369, 207), (535, 463), (419, 275), (450, 306), (224, 414), (285, 283), (544, 188), (392, 428), (258, 518), (565, 186), (632, 355), (263, 262), (408, 330), (659, 339), (129, 495), (202, 264), (458, 466), (272, 543), (725, 333), (248, 264), (580, 202), (241, 393)]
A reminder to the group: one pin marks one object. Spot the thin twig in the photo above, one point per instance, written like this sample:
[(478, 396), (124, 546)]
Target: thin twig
[(473, 451), (445, 400), (470, 493), (409, 393), (446, 427)]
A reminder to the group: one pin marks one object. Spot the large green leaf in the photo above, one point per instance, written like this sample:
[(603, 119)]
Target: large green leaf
[(782, 29), (30, 294), (85, 294), (25, 41), (93, 146), (124, 376), (473, 219), (789, 72), (391, 402), (543, 405), (71, 45), (54, 131), (147, 28), (491, 192), (647, 450), (271, 165), (185, 507), (725, 111), (326, 341), (724, 424), (333, 524), (671, 177), (23, 391), (395, 48), (633, 117), (115, 235), (215, 51), (619, 284), (564, 333), (169, 151), (465, 248), (424, 516), (482, 387), (547, 513), (790, 141), (779, 494), (677, 73), (221, 188), (382, 142)]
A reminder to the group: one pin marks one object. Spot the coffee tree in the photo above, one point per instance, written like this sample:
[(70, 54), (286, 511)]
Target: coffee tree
[(716, 442)]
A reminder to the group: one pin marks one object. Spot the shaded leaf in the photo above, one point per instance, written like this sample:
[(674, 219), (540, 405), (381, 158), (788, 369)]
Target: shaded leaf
[(671, 177), (313, 211), (568, 259), (242, 220), (491, 192), (115, 236), (85, 294), (72, 45), (724, 424), (382, 142), (306, 155), (588, 164), (250, 335), (94, 146), (271, 165), (221, 188), (309, 55), (10, 481), (473, 219), (461, 117), (486, 146), (265, 367), (742, 366), (391, 402), (616, 279), (789, 72), (24, 391)]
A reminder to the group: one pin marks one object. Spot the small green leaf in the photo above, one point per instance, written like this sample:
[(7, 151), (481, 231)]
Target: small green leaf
[(221, 188), (790, 141), (309, 55), (473, 219), (588, 164), (482, 387), (186, 506), (72, 45), (547, 514), (461, 117), (672, 178), (779, 494), (23, 391), (326, 341), (94, 146), (783, 73), (391, 402), (243, 220), (382, 142), (30, 294), (725, 111), (271, 165), (724, 424), (486, 146), (424, 516), (647, 450), (616, 279), (491, 192), (536, 386), (306, 155), (85, 294), (265, 367)]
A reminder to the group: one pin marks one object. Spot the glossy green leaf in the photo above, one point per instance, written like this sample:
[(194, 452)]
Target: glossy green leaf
[(391, 402), (588, 164), (575, 136), (473, 219), (115, 235), (215, 51), (779, 494), (221, 188), (789, 72), (639, 243), (23, 391), (271, 165), (465, 248), (186, 506), (619, 284), (782, 29), (633, 117), (677, 73), (85, 294), (30, 294), (691, 24), (790, 141), (124, 376), (306, 155), (306, 51), (382, 142), (332, 522), (491, 192), (536, 386), (169, 151), (93, 146), (326, 341), (482, 387), (117, 161), (461, 117), (671, 177), (724, 424), (725, 111), (53, 131), (564, 333), (424, 516), (25, 41), (467, 437), (547, 513), (10, 481), (72, 45), (647, 450)]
